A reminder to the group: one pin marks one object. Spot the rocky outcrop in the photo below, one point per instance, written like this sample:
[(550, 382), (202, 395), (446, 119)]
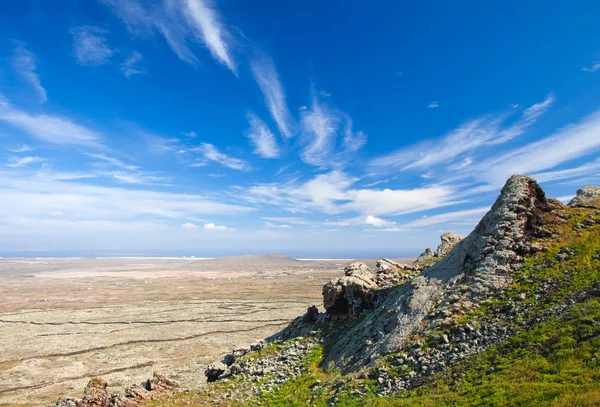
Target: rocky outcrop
[(428, 254), (96, 393), (352, 293), (587, 197), (390, 273), (449, 240), (480, 264)]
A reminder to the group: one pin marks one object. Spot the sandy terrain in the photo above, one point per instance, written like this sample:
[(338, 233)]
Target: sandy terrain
[(63, 321)]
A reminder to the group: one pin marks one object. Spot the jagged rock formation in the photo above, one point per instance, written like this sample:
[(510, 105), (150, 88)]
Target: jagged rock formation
[(96, 394), (587, 197), (479, 265), (449, 240), (352, 293), (428, 254), (391, 273)]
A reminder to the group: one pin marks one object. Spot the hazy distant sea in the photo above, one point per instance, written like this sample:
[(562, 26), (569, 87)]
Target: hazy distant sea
[(299, 254)]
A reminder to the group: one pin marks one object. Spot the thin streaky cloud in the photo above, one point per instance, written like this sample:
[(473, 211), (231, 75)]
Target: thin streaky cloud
[(90, 45), (208, 152), (595, 67), (266, 76), (25, 63), (208, 26), (264, 142), (22, 149), (469, 137), (18, 162), (433, 105), (51, 129)]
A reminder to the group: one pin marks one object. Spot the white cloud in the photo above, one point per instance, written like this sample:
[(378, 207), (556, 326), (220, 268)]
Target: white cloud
[(190, 134), (90, 45), (209, 152), (277, 225), (319, 127), (331, 193), (131, 66), (212, 226), (433, 105), (24, 196), (25, 63), (595, 67), (267, 78), (207, 24), (469, 215), (189, 225), (115, 162), (263, 140), (568, 143), (467, 138), (22, 149), (377, 222), (17, 162), (290, 220), (181, 23), (51, 129)]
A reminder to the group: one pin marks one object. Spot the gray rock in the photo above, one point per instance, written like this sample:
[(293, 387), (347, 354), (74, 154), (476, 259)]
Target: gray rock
[(426, 255), (214, 370), (587, 197), (352, 293), (480, 264), (449, 240)]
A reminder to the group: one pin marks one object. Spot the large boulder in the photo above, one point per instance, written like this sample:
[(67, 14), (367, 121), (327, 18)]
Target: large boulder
[(214, 370), (449, 240), (587, 197), (352, 293)]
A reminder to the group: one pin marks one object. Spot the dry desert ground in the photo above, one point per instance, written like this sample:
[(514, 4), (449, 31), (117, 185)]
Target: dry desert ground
[(63, 321)]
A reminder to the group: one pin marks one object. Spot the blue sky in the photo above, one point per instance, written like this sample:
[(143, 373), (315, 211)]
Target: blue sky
[(317, 129)]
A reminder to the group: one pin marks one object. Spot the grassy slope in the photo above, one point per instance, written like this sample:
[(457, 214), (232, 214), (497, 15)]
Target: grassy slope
[(556, 363)]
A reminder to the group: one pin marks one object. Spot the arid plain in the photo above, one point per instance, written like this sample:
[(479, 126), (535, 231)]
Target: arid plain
[(63, 321)]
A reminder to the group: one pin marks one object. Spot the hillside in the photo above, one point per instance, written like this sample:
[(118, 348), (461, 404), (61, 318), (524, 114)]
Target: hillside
[(510, 316)]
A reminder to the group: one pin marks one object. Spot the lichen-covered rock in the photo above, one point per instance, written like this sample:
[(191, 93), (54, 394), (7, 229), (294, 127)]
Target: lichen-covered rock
[(428, 254), (391, 273), (352, 293), (449, 240), (480, 264), (587, 197)]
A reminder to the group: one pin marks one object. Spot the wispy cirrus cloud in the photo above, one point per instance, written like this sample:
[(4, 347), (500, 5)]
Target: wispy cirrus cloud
[(265, 144), (51, 129), (267, 78), (25, 63), (181, 23), (595, 67), (209, 153), (433, 105), (21, 149), (207, 25), (569, 143), (332, 193), (90, 45), (321, 126), (18, 162), (132, 64), (466, 139)]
